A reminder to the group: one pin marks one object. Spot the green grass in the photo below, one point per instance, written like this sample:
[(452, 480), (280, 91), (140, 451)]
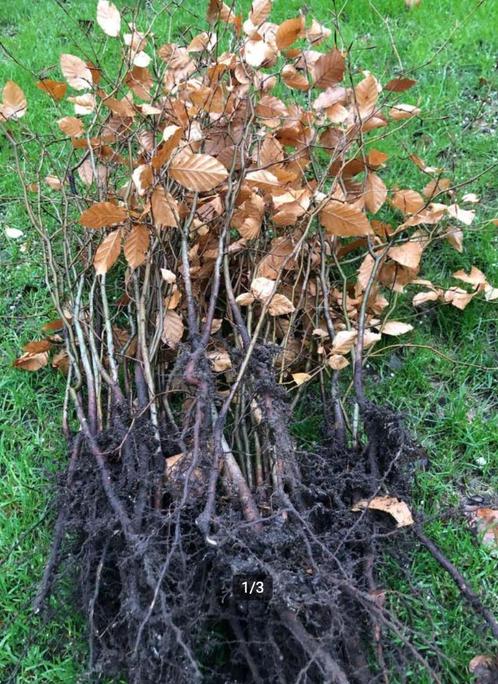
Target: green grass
[(450, 405)]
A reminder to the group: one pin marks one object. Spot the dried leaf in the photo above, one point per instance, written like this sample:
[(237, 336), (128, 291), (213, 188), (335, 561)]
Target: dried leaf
[(168, 276), (289, 31), (301, 378), (164, 208), (136, 245), (220, 361), (31, 362), (56, 89), (389, 504), (409, 253), (108, 18), (475, 277), (366, 94), (71, 126), (245, 299), (108, 252), (260, 10), (395, 328), (423, 297), (262, 288), (76, 72), (465, 216), (103, 215), (142, 178), (328, 69), (344, 341), (375, 193), (344, 220), (403, 111), (280, 305), (14, 102), (337, 361), (197, 172), (408, 201), (172, 329), (398, 85), (37, 346)]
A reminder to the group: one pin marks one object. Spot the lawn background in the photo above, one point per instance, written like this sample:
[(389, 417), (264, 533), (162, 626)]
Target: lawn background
[(449, 405)]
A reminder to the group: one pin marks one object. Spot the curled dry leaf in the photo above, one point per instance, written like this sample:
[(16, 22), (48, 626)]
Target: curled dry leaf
[(344, 341), (108, 18), (337, 361), (172, 329), (398, 85), (395, 328), (37, 346), (197, 172), (136, 245), (388, 504), (280, 305), (262, 288), (14, 102), (103, 215), (31, 361), (76, 72), (301, 378), (56, 89), (260, 10), (107, 252), (168, 276), (403, 111), (220, 361), (289, 31)]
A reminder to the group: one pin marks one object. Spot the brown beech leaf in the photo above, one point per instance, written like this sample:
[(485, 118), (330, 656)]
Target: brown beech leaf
[(71, 126), (56, 89), (328, 69), (366, 94), (344, 341), (136, 245), (317, 33), (280, 305), (408, 201), (484, 669), (76, 72), (376, 158), (389, 504), (344, 220), (83, 104), (103, 215), (249, 216), (301, 378), (197, 172), (37, 346), (457, 297), (107, 252), (220, 361), (263, 179), (337, 361), (164, 209), (108, 18), (142, 178), (289, 31), (260, 11), (423, 297), (395, 328), (31, 362), (172, 329), (485, 522), (465, 216), (398, 85), (14, 102), (403, 111), (60, 361), (294, 78), (475, 277), (375, 193), (245, 298), (409, 253)]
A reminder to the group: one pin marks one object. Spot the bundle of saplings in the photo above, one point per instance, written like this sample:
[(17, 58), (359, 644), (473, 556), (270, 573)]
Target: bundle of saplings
[(221, 249)]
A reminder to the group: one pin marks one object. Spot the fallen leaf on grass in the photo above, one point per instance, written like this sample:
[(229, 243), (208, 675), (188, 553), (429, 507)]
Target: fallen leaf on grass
[(388, 504)]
